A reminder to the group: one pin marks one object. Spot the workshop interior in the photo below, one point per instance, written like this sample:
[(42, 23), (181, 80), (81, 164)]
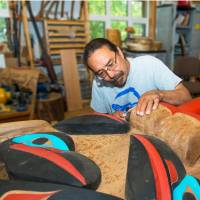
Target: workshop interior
[(54, 144)]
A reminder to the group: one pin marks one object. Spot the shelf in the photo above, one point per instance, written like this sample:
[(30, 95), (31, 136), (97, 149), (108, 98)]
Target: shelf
[(14, 116), (177, 40), (184, 30), (65, 34)]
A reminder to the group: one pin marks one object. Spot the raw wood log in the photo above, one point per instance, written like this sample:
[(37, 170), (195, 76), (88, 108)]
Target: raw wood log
[(149, 123), (182, 133)]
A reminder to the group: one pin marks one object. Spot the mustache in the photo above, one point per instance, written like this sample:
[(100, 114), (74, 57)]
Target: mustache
[(117, 76)]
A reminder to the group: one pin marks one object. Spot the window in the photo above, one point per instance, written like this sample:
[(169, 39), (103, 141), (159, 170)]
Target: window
[(97, 7), (118, 8), (118, 14), (3, 5), (138, 9), (139, 29), (2, 30), (98, 27), (121, 25), (4, 12)]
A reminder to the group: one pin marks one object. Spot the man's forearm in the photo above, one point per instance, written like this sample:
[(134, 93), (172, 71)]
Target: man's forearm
[(175, 97), (150, 100)]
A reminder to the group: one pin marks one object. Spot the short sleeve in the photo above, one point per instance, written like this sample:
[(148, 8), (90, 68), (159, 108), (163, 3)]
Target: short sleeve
[(164, 78), (97, 102)]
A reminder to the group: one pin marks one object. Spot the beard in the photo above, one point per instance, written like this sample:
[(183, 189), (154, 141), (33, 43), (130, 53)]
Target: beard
[(118, 79)]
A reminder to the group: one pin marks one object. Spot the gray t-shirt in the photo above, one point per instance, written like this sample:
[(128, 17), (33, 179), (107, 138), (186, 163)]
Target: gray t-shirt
[(146, 73)]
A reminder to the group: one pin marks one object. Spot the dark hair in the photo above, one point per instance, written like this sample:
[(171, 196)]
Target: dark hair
[(95, 44)]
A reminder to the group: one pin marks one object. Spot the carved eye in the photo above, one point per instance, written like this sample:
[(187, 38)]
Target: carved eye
[(40, 140)]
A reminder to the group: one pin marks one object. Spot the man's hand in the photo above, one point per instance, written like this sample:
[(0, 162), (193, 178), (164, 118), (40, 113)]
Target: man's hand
[(149, 101), (120, 115)]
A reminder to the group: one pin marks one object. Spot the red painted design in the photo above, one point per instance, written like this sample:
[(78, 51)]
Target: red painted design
[(27, 195), (172, 108), (191, 108), (172, 171), (55, 150), (52, 157), (160, 175)]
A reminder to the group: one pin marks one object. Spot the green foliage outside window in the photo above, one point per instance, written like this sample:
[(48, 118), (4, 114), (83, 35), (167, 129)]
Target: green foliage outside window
[(118, 8), (2, 30), (137, 9), (97, 7), (3, 4), (139, 29), (121, 25), (97, 29)]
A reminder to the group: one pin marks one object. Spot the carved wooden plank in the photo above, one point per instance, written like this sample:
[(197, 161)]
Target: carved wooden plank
[(71, 80)]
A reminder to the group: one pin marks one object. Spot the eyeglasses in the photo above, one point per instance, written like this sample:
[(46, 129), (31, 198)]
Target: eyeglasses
[(103, 73)]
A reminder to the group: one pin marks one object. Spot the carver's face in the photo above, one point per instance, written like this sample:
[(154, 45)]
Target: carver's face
[(109, 66)]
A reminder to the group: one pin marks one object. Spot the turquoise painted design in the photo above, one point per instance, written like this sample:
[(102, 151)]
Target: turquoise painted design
[(188, 181), (28, 139)]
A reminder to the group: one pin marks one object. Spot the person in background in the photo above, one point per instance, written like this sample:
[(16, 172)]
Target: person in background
[(122, 83)]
